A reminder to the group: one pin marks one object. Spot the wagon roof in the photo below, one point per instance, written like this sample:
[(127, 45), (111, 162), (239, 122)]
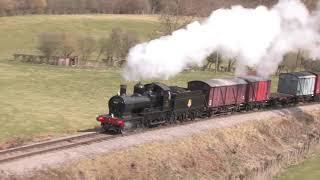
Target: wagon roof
[(254, 78), (303, 74), (315, 72), (224, 82)]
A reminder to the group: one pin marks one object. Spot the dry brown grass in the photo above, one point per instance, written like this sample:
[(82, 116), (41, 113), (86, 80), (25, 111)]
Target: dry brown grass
[(245, 151)]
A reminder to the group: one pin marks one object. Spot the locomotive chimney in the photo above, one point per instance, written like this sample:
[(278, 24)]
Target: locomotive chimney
[(123, 89)]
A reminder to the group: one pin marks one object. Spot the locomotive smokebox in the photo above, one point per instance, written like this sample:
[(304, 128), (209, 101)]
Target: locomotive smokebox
[(123, 89)]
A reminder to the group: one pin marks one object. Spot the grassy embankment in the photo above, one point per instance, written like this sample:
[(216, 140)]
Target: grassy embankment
[(308, 170), (40, 99)]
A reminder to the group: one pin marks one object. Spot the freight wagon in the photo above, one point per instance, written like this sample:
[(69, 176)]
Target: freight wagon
[(222, 95), (258, 91), (317, 86), (300, 85)]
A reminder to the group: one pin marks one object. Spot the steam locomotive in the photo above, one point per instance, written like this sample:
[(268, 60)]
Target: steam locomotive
[(155, 104)]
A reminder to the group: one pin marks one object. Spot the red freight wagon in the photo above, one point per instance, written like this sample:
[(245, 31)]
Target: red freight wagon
[(258, 89), (221, 92), (317, 84)]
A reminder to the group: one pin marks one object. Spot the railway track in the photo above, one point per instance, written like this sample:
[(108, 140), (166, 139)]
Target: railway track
[(89, 138), (52, 145)]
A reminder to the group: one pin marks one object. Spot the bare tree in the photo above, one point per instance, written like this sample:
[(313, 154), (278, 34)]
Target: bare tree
[(59, 44), (91, 5), (214, 58), (48, 44), (128, 40), (172, 16), (155, 6), (102, 44), (289, 62), (116, 47), (6, 6), (181, 7), (113, 44), (67, 44), (231, 63), (37, 6), (132, 6), (86, 46), (311, 64)]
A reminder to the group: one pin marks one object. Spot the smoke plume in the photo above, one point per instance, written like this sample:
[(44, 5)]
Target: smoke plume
[(257, 38)]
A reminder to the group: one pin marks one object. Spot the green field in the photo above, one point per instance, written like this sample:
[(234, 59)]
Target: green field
[(18, 34), (42, 99), (308, 170)]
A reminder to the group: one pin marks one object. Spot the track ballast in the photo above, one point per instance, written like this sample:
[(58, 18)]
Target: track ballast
[(51, 146)]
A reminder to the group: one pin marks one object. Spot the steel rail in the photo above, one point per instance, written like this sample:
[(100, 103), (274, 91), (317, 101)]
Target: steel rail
[(53, 145)]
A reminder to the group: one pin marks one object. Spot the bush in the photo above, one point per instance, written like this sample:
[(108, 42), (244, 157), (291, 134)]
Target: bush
[(86, 46), (58, 44), (116, 47)]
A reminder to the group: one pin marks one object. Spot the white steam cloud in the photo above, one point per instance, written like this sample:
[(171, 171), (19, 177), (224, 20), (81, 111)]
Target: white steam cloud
[(257, 38)]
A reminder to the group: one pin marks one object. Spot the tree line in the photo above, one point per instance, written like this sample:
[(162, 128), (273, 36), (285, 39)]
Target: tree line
[(298, 61), (111, 49), (181, 7), (16, 7)]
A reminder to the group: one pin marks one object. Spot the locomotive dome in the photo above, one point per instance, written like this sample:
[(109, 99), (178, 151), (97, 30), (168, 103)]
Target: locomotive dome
[(139, 89)]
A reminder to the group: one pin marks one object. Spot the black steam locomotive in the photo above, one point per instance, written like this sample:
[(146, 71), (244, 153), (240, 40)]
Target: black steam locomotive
[(151, 105)]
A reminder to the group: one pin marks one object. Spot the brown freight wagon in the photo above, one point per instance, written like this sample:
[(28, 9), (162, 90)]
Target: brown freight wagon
[(222, 93), (258, 90)]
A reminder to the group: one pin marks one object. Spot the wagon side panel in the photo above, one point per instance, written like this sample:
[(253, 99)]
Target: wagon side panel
[(317, 84), (306, 86), (288, 84)]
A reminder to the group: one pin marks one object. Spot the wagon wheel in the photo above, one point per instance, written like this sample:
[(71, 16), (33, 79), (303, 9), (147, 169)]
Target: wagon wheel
[(145, 123), (121, 131), (148, 124), (193, 115), (185, 116), (173, 118)]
